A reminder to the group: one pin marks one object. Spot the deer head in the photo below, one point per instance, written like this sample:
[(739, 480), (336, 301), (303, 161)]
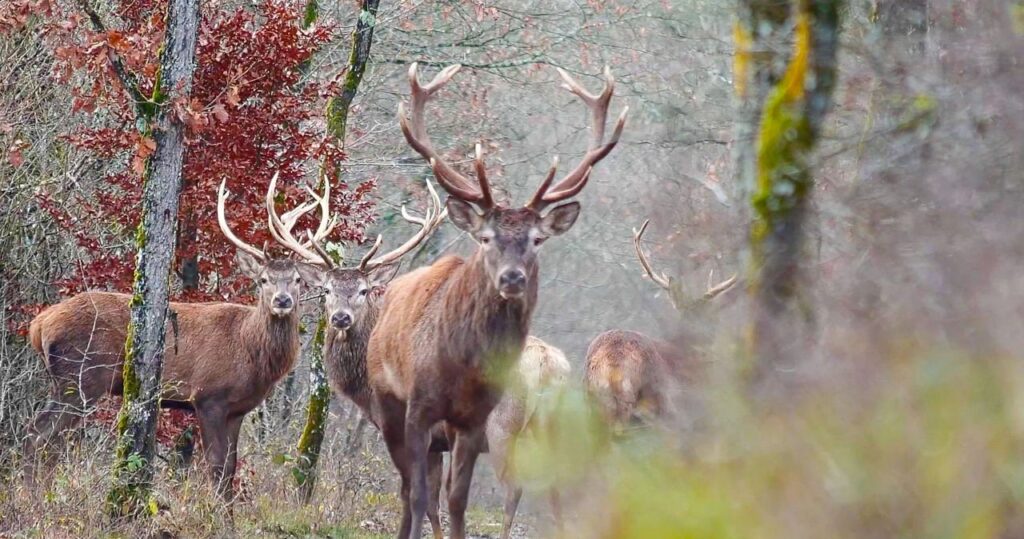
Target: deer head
[(279, 280), (680, 300), (348, 289), (509, 238)]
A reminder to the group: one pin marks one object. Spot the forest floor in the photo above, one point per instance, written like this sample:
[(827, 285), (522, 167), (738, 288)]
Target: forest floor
[(355, 497)]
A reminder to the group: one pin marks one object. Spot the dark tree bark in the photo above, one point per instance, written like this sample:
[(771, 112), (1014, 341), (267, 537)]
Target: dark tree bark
[(788, 132), (144, 349), (338, 106)]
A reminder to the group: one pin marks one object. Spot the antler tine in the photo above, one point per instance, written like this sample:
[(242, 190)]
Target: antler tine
[(363, 264), (432, 218), (575, 180), (659, 279), (281, 232), (327, 222), (715, 290), (328, 261), (598, 103), (226, 230), (481, 178), (415, 132), (536, 201)]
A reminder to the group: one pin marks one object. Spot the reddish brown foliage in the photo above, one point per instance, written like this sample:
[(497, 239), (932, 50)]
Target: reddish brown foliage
[(251, 113)]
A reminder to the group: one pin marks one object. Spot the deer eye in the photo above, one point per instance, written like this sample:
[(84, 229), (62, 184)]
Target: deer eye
[(263, 280), (484, 240), (298, 279), (364, 291), (538, 240)]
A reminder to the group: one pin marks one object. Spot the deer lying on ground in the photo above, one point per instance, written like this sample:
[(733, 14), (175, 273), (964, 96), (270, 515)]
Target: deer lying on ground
[(449, 333), (634, 377), (222, 359)]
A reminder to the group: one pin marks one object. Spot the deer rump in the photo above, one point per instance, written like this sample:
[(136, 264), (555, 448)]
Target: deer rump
[(636, 378), (82, 342)]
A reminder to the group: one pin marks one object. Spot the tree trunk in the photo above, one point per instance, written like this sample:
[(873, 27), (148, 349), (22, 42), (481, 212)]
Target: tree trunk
[(788, 132), (312, 437), (338, 107), (757, 67), (144, 349)]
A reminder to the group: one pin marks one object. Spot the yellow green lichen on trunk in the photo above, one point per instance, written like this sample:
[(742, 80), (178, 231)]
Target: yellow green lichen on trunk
[(131, 490), (311, 440), (783, 181)]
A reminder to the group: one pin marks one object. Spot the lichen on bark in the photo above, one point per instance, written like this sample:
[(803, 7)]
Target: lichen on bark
[(311, 440), (787, 133)]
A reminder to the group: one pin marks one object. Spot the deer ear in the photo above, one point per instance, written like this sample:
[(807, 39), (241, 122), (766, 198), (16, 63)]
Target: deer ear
[(383, 275), (463, 216), (249, 265), (311, 275), (560, 219)]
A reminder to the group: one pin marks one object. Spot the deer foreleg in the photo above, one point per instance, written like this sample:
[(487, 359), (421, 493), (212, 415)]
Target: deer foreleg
[(464, 455)]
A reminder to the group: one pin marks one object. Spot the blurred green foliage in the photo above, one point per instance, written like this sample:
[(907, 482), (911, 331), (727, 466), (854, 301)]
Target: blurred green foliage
[(931, 448)]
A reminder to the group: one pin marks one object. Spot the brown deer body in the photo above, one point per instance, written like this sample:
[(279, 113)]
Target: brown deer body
[(636, 378), (449, 333), (222, 359)]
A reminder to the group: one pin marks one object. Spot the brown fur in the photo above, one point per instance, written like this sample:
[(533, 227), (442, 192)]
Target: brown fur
[(633, 377), (441, 350), (221, 359)]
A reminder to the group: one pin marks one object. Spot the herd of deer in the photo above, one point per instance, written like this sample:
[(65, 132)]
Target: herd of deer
[(439, 359)]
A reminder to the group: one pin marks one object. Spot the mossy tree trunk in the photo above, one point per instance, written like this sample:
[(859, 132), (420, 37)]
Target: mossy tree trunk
[(788, 132), (130, 493), (311, 440), (758, 32)]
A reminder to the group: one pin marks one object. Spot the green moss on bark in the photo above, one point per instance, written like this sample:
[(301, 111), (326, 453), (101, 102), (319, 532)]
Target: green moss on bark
[(311, 440)]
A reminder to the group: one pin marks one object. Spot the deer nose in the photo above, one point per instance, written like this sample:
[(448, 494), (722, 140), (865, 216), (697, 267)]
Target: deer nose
[(512, 281), (283, 301), (341, 320)]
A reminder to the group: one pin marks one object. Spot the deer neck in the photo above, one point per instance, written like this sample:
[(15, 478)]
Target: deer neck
[(273, 342), (487, 327), (345, 354)]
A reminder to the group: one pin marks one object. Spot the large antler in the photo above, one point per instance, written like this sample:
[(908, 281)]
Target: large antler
[(574, 182), (433, 217), (664, 281), (415, 133), (281, 226), (222, 196)]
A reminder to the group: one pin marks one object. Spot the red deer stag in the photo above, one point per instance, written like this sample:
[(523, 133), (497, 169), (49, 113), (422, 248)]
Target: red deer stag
[(449, 333), (222, 359), (633, 376), (353, 301)]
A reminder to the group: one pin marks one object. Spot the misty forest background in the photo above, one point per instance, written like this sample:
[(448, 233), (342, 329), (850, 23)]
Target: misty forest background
[(895, 403)]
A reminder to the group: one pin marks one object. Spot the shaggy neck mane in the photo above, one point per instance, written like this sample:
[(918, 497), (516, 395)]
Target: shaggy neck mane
[(272, 341), (345, 354), (478, 323)]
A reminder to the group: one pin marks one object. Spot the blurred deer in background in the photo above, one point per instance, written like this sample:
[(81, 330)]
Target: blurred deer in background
[(633, 376), (542, 371), (450, 333), (222, 359)]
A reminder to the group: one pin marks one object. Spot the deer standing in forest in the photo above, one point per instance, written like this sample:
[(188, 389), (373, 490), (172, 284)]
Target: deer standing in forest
[(634, 376), (542, 369), (222, 359), (352, 306), (449, 333)]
